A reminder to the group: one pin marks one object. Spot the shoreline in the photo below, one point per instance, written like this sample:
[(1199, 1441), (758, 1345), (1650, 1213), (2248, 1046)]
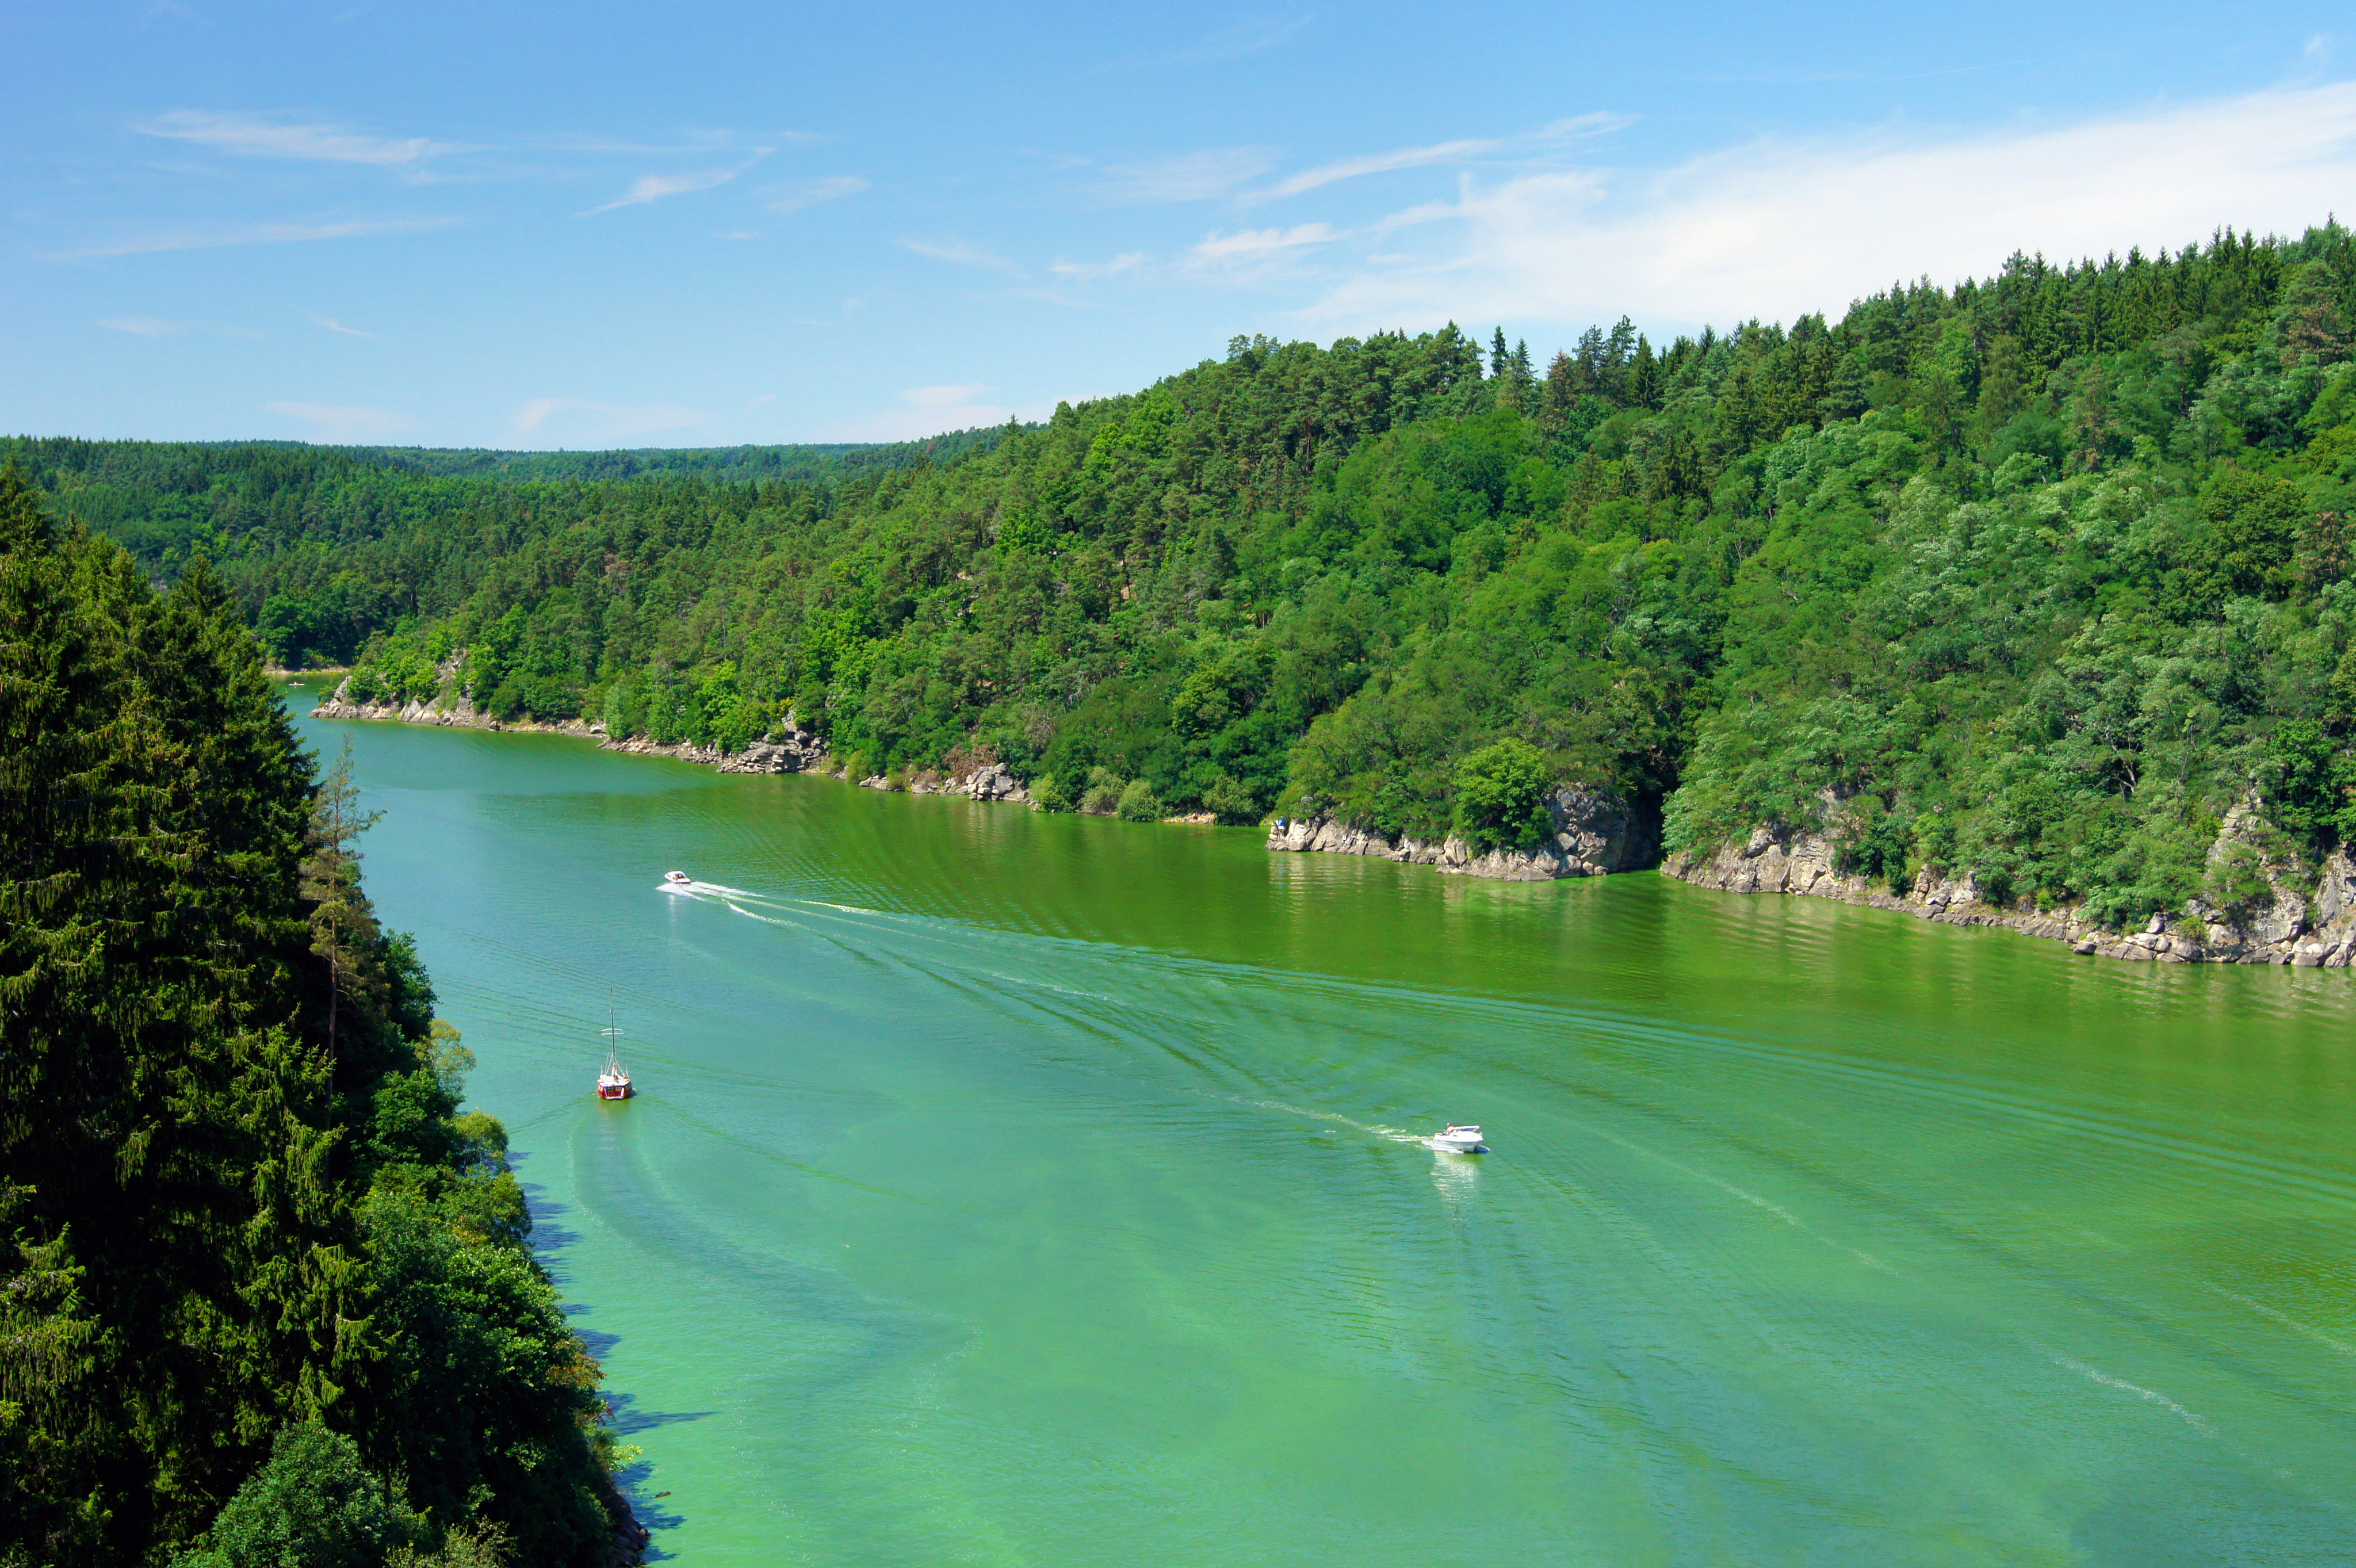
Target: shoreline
[(1596, 834), (2297, 928)]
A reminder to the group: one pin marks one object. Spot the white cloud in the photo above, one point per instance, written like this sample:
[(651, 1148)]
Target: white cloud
[(1247, 245), (932, 411), (1186, 176), (942, 397), (655, 187), (1085, 271), (1371, 163), (795, 195), (1776, 228), (1553, 134), (578, 422), (332, 325), (959, 253), (260, 136), (257, 234), (345, 424), (143, 326)]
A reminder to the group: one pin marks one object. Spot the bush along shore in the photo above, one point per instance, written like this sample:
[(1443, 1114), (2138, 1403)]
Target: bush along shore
[(2023, 584)]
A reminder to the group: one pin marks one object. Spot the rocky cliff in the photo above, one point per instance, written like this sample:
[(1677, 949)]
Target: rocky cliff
[(447, 709), (2291, 925), (1594, 832)]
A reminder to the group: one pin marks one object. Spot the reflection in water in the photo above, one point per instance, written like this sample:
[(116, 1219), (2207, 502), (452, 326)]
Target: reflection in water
[(1455, 1176)]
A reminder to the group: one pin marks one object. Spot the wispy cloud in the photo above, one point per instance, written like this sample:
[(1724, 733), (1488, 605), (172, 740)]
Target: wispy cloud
[(1542, 141), (257, 234), (1373, 162), (1186, 176), (332, 325), (1252, 36), (144, 326), (338, 424), (655, 187), (578, 419), (795, 195), (1778, 227), (261, 135), (930, 411), (1085, 271), (942, 397), (958, 253), (1248, 245), (686, 144)]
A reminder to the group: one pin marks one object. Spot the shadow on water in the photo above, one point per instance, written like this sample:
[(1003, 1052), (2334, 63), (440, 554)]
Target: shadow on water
[(633, 1480)]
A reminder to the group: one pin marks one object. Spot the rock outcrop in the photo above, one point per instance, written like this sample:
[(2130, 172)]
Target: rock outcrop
[(450, 708), (1594, 832), (2288, 926)]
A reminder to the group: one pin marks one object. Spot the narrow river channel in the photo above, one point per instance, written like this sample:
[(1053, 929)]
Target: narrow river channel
[(1022, 1189)]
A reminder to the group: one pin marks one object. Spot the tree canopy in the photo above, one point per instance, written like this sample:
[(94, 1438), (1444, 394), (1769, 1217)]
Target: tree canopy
[(241, 1213)]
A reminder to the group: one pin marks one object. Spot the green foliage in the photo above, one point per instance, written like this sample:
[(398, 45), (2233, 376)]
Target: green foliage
[(223, 1071), (1501, 795), (312, 1505), (1138, 803)]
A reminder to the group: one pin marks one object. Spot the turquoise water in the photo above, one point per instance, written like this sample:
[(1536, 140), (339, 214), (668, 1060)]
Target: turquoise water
[(1009, 1188)]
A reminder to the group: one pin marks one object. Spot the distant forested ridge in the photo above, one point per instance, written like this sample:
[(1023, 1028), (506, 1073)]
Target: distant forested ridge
[(2035, 577), (265, 1296)]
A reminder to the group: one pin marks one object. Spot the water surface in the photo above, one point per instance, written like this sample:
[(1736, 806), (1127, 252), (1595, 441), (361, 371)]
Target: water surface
[(1023, 1189)]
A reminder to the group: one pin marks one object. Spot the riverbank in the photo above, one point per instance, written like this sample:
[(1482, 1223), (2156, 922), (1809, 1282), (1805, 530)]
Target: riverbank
[(2311, 929), (1597, 833), (1593, 833)]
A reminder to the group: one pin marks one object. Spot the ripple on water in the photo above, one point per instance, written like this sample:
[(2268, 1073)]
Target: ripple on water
[(1038, 1189)]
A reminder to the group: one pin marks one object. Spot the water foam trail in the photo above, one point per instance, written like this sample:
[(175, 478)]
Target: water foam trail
[(2286, 1320), (1372, 1129), (2153, 1396), (1754, 1200)]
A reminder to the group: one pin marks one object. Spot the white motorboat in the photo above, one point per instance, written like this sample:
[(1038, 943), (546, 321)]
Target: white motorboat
[(674, 881), (1461, 1138)]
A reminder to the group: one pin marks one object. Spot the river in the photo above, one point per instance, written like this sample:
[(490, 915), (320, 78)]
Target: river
[(1008, 1189)]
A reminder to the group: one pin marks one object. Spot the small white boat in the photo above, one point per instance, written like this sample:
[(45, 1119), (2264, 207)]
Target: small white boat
[(674, 880), (1461, 1138)]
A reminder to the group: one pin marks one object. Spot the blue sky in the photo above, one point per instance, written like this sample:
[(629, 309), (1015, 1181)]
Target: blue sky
[(598, 225)]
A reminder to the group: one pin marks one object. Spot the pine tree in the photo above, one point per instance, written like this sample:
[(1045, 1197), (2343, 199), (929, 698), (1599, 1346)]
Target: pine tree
[(1645, 377)]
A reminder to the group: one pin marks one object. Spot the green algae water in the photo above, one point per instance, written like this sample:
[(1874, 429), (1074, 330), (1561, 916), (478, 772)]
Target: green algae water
[(1021, 1189)]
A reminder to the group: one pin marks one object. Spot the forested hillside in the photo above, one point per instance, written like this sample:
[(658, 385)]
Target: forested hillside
[(2040, 575), (265, 1297)]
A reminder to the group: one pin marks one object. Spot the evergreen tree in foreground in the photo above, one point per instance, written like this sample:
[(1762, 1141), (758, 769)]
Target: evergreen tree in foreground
[(239, 1212)]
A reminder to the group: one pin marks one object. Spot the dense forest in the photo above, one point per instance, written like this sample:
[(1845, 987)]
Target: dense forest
[(265, 1294), (2034, 577)]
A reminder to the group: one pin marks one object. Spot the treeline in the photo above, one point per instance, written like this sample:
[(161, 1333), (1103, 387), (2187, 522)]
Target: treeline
[(265, 1295), (293, 505), (2034, 577)]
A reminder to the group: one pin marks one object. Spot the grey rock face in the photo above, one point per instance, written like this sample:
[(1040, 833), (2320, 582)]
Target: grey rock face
[(1594, 832), (790, 750), (1799, 861)]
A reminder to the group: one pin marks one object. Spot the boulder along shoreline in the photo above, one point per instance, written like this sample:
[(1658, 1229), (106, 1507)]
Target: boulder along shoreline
[(2309, 930), (1597, 833)]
